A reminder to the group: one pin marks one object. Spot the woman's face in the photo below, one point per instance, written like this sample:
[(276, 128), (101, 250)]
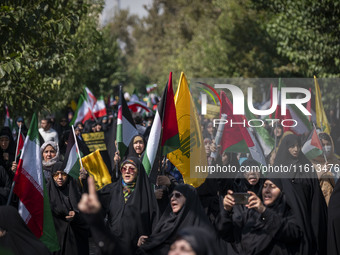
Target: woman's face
[(181, 247), (277, 131), (129, 172), (252, 176), (139, 146), (210, 128), (294, 150), (225, 158), (270, 192), (4, 142), (60, 178), (177, 200), (49, 153), (207, 143)]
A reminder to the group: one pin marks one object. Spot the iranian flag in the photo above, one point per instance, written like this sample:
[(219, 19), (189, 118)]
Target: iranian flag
[(150, 88), (126, 128), (312, 147), (239, 137), (90, 98), (99, 109), (34, 205), (71, 161), (137, 106), (83, 111), (164, 130)]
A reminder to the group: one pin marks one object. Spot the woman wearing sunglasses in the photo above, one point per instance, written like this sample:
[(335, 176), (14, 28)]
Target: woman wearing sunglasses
[(184, 210), (131, 209), (64, 195)]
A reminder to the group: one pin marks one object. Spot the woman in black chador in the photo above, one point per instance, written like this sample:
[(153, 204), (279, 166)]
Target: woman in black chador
[(130, 205), (333, 236), (71, 228), (16, 237), (303, 183), (267, 226), (184, 210), (196, 240), (7, 151)]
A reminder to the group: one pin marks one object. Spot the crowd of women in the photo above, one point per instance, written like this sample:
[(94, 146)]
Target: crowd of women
[(247, 214)]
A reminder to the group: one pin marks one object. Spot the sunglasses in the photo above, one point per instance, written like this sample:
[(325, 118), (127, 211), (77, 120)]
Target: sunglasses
[(176, 195), (125, 169), (63, 174)]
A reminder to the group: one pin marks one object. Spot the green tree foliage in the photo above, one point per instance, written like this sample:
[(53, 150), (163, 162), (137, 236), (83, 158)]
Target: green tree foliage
[(234, 38), (50, 49)]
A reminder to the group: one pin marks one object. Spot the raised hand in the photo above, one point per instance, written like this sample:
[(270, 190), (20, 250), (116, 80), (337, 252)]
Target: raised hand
[(89, 203)]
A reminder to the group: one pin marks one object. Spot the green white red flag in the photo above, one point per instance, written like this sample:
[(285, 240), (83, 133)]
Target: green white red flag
[(71, 161), (34, 205)]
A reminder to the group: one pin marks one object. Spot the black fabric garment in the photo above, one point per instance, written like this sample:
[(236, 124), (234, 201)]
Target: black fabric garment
[(213, 186), (273, 232), (18, 238), (63, 144), (130, 152), (226, 183), (110, 137), (24, 129), (72, 235), (88, 126), (241, 184), (7, 164), (303, 187), (5, 186), (200, 239), (167, 171), (333, 236), (191, 214), (128, 221)]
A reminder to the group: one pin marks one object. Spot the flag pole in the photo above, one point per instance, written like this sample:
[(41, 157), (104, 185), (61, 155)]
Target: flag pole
[(75, 140), (16, 154), (116, 163), (18, 139)]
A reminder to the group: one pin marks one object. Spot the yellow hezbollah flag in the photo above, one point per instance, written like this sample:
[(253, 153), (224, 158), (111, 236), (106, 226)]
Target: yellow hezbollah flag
[(192, 152), (95, 166), (321, 118)]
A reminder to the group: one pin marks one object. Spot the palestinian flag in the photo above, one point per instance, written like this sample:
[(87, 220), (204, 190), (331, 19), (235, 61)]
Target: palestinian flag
[(312, 147), (71, 162), (8, 121), (164, 130), (238, 137), (34, 205), (126, 128), (292, 112), (264, 138)]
